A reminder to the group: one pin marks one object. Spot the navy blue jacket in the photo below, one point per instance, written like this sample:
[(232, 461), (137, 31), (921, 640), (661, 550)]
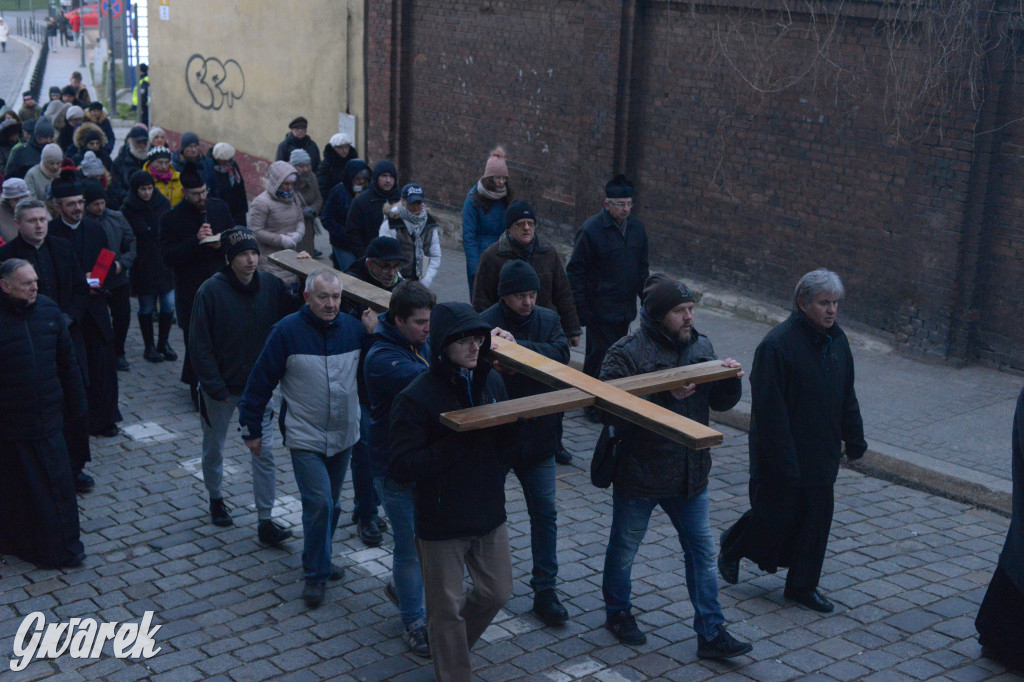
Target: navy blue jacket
[(607, 270)]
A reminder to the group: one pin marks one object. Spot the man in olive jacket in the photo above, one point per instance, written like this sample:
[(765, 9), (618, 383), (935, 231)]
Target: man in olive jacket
[(652, 470)]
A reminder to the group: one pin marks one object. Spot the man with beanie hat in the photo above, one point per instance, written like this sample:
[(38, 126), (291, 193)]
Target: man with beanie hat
[(14, 190), (367, 212), (233, 313), (183, 230), (298, 139), (192, 152), (652, 470), (26, 155), (540, 330), (607, 272), (129, 160), (121, 238)]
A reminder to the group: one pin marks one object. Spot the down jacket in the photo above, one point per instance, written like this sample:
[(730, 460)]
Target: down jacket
[(649, 465), (315, 363), (276, 222)]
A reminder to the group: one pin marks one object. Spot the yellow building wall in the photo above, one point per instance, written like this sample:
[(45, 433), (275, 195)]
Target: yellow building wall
[(239, 70)]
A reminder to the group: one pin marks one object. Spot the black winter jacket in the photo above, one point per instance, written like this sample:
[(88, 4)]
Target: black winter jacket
[(607, 271), (72, 290), (365, 214), (332, 169), (355, 309), (650, 465), (88, 240), (459, 477), (150, 276), (284, 150), (230, 323), (541, 332), (803, 405), (38, 370), (191, 262)]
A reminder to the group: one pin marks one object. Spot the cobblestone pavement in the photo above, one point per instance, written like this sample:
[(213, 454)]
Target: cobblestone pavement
[(906, 569)]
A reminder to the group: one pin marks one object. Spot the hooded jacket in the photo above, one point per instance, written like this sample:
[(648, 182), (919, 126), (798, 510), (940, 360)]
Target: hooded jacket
[(555, 292), (650, 465), (390, 365), (337, 203), (459, 477), (367, 211), (100, 118), (315, 363), (277, 222), (284, 150), (125, 165), (332, 169), (85, 132), (230, 323)]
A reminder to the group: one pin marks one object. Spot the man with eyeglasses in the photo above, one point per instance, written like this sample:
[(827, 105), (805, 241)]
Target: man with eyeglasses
[(607, 272), (184, 231)]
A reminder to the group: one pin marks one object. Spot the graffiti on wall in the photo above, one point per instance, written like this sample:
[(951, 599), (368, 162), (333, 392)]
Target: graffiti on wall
[(213, 83)]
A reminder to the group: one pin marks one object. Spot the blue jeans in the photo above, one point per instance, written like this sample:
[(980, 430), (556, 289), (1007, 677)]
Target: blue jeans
[(343, 258), (630, 516), (538, 483), (319, 480), (362, 478), (405, 563), (147, 303)]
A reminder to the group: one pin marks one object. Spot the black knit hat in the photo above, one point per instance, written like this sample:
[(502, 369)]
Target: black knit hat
[(517, 276), (518, 210), (662, 294), (619, 188), (92, 191), (237, 240), (66, 185), (385, 249)]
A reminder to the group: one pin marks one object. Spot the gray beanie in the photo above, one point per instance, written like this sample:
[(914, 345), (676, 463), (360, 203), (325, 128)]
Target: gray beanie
[(91, 166), (43, 129), (51, 152), (299, 156)]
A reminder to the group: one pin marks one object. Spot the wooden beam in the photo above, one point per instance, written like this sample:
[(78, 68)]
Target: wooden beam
[(484, 416), (351, 287), (632, 408)]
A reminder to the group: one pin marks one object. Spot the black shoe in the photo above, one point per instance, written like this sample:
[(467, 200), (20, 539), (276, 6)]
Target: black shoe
[(152, 354), (623, 626), (122, 364), (84, 482), (337, 572), (391, 593), (317, 253), (313, 594), (416, 639), (369, 533), (813, 600), (722, 646), (382, 524), (219, 513), (729, 570), (108, 432), (270, 533), (549, 609), (168, 353), (563, 456)]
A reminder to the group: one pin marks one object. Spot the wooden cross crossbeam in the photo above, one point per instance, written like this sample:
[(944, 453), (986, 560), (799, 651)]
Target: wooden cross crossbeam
[(606, 396)]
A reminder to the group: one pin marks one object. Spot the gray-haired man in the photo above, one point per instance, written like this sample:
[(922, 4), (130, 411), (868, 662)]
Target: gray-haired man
[(803, 408)]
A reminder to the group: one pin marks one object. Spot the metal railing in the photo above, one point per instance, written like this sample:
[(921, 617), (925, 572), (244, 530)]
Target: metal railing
[(33, 30)]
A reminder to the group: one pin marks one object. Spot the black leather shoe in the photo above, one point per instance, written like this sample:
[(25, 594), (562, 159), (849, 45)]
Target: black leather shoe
[(313, 594), (152, 355), (813, 600), (729, 570), (563, 456), (369, 533), (122, 364), (722, 646), (270, 533), (108, 432), (168, 353), (219, 513), (337, 573), (623, 626), (84, 482), (549, 609)]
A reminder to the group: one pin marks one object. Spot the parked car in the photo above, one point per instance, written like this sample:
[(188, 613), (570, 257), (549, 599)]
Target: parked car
[(90, 14)]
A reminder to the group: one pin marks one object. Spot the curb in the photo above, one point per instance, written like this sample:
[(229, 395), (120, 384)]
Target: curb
[(26, 82)]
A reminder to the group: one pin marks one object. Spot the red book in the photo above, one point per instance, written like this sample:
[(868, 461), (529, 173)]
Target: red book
[(102, 267)]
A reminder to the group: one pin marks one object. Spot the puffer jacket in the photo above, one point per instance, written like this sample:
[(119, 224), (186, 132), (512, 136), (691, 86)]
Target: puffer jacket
[(459, 477), (39, 369), (276, 222), (649, 465), (315, 363), (555, 292)]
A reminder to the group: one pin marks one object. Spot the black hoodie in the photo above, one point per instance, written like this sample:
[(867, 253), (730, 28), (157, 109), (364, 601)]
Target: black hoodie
[(459, 477), (367, 210)]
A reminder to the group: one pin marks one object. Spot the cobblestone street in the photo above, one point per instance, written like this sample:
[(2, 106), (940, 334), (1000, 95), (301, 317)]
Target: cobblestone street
[(906, 569)]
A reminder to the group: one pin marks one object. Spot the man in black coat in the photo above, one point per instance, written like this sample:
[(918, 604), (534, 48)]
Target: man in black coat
[(88, 239), (803, 409), (459, 486), (540, 330), (41, 383), (607, 272), (233, 312), (366, 213), (61, 279), (298, 139), (183, 230)]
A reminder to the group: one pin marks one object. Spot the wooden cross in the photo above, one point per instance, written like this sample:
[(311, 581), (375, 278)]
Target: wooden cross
[(620, 397)]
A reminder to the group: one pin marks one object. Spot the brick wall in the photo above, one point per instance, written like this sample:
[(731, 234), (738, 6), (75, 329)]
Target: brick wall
[(755, 161)]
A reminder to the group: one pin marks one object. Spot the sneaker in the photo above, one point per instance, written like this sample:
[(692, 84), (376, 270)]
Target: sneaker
[(369, 533), (416, 639), (337, 572), (152, 355), (122, 364), (219, 513), (729, 570), (548, 608), (84, 482), (391, 593), (313, 594), (623, 626), (563, 456), (722, 646), (271, 533)]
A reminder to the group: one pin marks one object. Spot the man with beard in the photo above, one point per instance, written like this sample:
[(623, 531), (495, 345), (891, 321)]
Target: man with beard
[(183, 230), (130, 160)]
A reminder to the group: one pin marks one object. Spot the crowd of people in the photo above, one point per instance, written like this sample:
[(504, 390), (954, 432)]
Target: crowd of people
[(364, 390)]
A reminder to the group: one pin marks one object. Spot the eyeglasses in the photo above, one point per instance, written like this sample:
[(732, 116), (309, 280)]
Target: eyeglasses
[(628, 203), (476, 341), (387, 266)]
